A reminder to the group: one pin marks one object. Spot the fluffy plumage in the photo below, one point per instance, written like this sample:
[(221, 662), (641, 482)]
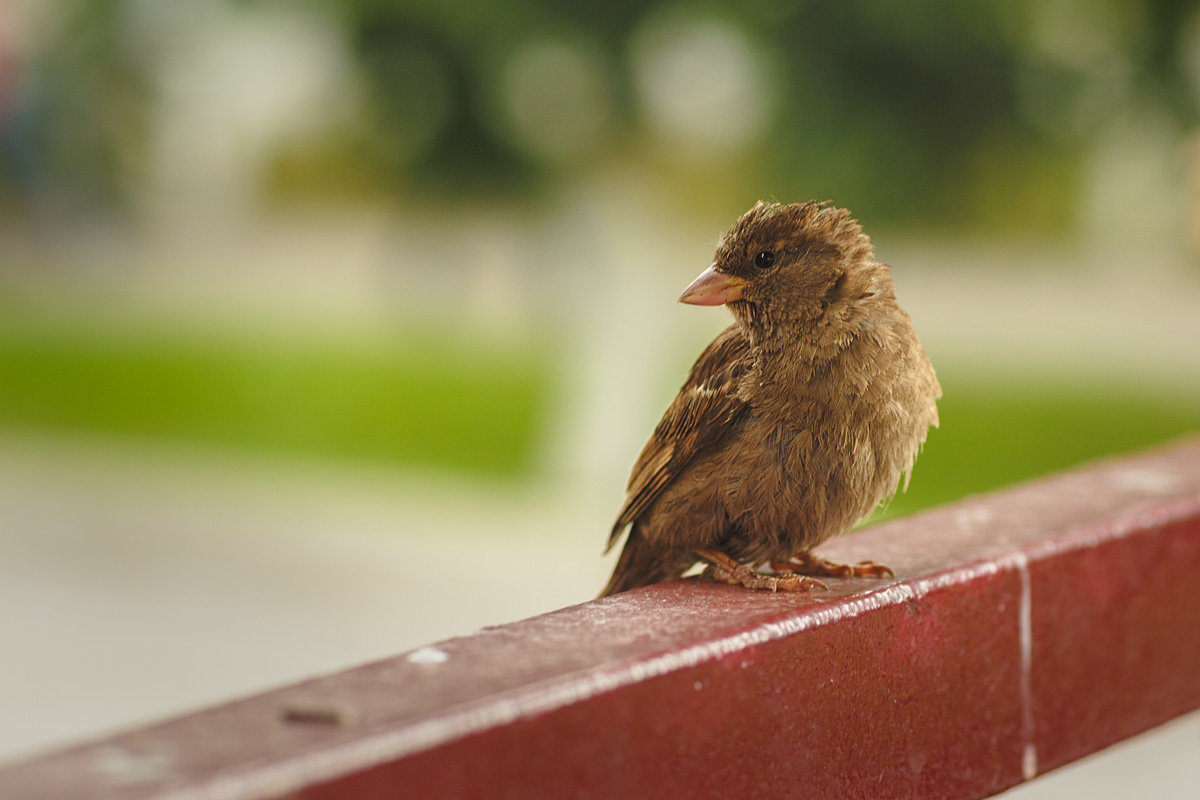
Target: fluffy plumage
[(798, 419)]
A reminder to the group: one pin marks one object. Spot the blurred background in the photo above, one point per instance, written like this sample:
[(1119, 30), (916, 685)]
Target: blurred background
[(329, 328)]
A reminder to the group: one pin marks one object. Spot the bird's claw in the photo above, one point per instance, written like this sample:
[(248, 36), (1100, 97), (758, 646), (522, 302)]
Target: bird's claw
[(752, 579), (872, 569), (809, 564)]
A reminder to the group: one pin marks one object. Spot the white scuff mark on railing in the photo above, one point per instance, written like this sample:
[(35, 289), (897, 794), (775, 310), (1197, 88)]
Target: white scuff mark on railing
[(1029, 759), (1146, 481), (427, 655)]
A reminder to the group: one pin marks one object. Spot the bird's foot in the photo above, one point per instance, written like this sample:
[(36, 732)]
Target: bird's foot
[(724, 569), (810, 564)]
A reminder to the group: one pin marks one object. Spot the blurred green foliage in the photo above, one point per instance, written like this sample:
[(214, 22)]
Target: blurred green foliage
[(935, 113)]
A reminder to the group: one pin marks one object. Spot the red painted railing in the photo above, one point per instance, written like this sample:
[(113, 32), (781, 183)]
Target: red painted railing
[(1026, 629)]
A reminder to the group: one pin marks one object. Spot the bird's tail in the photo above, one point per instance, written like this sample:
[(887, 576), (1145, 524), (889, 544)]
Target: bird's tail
[(642, 564)]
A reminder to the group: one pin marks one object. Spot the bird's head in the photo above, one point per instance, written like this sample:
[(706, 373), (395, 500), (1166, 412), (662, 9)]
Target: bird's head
[(785, 265)]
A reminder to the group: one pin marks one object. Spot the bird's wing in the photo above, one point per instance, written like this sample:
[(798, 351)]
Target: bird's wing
[(700, 416)]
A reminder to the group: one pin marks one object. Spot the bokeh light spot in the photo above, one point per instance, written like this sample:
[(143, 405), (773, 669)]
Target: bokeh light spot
[(555, 98), (703, 84)]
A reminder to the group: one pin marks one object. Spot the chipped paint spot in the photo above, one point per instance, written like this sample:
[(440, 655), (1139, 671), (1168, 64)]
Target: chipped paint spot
[(1145, 481), (299, 714), (124, 768), (428, 655), (972, 516)]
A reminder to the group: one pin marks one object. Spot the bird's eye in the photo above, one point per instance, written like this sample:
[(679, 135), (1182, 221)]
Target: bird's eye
[(764, 260)]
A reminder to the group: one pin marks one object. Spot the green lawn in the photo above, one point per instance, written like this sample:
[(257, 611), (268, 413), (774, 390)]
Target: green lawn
[(995, 432), (478, 408), (412, 399)]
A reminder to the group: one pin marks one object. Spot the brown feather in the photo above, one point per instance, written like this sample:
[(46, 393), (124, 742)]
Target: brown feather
[(701, 413)]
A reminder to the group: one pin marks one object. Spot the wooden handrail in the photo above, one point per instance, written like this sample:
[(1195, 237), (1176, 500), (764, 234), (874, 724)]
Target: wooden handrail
[(1027, 629)]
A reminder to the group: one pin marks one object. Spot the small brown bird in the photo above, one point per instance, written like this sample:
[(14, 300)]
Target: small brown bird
[(797, 421)]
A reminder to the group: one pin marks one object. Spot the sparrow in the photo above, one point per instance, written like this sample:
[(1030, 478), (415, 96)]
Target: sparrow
[(793, 424)]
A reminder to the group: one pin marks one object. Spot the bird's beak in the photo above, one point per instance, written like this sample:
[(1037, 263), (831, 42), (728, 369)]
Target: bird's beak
[(713, 288)]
